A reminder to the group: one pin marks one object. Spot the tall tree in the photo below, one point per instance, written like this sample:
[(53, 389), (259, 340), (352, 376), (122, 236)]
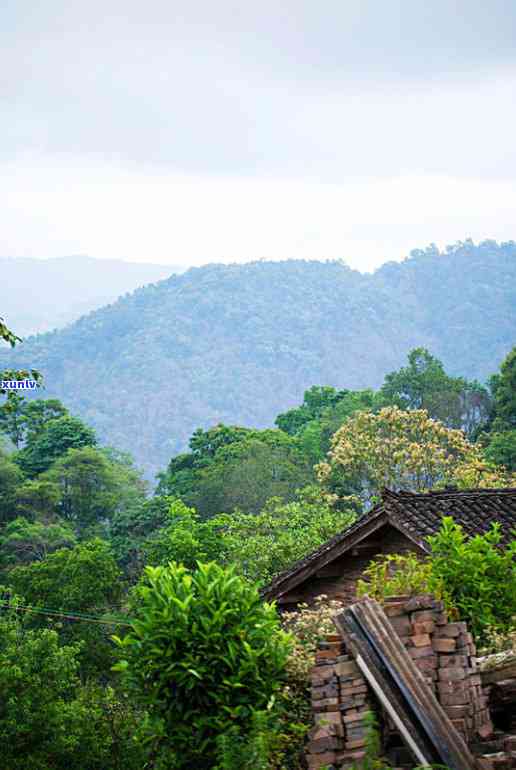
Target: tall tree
[(55, 439), (424, 384), (401, 450), (503, 387), (93, 487)]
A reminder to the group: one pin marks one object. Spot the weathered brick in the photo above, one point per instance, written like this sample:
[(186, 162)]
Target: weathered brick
[(424, 627), (444, 645), (451, 629), (320, 760), (422, 652), (347, 669), (401, 625), (423, 602), (453, 660), (394, 608), (326, 704), (452, 674), (454, 699), (421, 615), (454, 687), (426, 664), (420, 640)]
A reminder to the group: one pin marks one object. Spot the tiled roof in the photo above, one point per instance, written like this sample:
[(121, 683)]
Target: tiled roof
[(474, 509), (417, 515)]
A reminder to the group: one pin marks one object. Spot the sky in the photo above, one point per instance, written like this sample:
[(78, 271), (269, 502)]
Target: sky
[(199, 131)]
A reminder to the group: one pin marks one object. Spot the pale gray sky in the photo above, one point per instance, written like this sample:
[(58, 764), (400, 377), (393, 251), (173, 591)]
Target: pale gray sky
[(194, 131)]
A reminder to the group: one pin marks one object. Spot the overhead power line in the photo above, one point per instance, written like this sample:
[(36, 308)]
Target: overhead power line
[(72, 615)]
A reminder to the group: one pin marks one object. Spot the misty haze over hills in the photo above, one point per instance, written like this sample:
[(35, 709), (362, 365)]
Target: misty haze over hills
[(38, 295), (240, 343)]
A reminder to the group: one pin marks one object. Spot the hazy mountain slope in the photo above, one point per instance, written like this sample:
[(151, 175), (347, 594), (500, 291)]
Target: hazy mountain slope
[(37, 295), (241, 343)]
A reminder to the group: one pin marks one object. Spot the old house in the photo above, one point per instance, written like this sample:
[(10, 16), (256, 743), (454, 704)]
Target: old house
[(401, 522)]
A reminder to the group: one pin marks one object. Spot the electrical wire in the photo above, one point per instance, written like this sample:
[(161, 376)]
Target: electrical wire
[(73, 615)]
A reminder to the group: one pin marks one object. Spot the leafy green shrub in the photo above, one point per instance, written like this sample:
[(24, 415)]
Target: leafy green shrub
[(250, 751), (475, 576), (478, 574), (203, 655), (397, 575)]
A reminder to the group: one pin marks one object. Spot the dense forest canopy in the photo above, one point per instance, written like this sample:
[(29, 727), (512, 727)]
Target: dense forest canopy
[(86, 551), (239, 344)]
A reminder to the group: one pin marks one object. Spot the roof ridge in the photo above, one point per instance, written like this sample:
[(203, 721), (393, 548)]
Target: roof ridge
[(452, 492)]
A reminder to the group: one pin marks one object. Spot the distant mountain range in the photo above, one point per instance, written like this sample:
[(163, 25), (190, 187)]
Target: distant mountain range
[(240, 343), (37, 295)]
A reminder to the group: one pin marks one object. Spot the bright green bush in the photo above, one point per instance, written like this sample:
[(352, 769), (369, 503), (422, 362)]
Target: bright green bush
[(476, 577), (203, 655), (479, 575)]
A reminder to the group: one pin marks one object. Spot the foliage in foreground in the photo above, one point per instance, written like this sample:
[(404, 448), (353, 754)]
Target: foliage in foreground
[(48, 719), (203, 655), (475, 576)]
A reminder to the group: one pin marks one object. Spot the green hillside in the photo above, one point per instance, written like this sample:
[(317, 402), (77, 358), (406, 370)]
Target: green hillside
[(240, 343)]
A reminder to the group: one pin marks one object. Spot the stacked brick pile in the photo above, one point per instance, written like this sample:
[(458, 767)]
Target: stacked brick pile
[(444, 652), (339, 702)]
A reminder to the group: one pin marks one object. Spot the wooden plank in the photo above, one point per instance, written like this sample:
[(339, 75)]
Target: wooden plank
[(498, 673)]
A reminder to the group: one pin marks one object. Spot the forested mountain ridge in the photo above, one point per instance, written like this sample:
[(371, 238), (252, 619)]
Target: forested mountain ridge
[(240, 343), (38, 295)]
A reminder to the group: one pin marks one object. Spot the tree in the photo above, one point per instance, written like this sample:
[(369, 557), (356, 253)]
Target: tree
[(315, 436), (58, 436), (503, 387), (11, 418), (37, 499), (315, 400), (263, 545), (23, 421), (92, 488), (424, 384), (185, 539), (397, 449), (80, 578), (23, 541), (11, 478), (501, 449), (37, 680), (225, 656), (83, 579), (236, 468), (180, 478), (7, 335), (247, 474), (38, 413), (131, 526), (47, 718), (478, 575)]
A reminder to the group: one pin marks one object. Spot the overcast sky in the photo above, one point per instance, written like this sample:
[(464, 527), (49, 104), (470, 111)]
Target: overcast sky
[(195, 131)]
